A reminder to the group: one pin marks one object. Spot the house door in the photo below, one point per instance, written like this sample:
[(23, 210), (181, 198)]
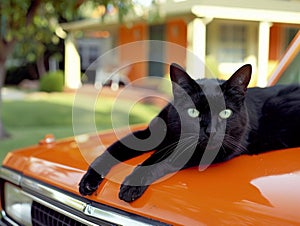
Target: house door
[(156, 51)]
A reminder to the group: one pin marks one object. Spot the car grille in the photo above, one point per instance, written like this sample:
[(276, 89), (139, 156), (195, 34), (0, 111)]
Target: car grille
[(42, 215)]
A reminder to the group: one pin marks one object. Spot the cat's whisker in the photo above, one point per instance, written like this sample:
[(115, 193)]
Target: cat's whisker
[(187, 148), (237, 144), (177, 144), (231, 142), (170, 148)]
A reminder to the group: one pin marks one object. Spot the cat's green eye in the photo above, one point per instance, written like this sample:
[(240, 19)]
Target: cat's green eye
[(193, 112), (225, 114)]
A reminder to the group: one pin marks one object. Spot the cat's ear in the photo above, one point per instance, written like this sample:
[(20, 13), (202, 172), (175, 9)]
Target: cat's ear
[(241, 77), (181, 80)]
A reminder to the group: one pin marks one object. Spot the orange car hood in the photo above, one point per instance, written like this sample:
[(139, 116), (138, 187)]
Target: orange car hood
[(260, 189)]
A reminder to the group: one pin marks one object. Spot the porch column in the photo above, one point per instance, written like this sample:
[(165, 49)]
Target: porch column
[(72, 64), (196, 47), (263, 53)]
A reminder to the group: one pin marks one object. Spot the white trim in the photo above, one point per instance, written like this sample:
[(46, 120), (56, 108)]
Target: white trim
[(238, 13), (197, 47), (72, 64), (263, 53)]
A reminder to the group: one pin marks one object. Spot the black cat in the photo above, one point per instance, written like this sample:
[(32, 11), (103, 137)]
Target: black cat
[(209, 121)]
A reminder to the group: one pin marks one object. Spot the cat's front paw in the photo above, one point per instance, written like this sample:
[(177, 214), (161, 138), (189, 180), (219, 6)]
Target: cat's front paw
[(130, 193), (89, 182)]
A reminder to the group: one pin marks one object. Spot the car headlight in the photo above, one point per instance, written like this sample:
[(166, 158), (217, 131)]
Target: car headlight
[(17, 204)]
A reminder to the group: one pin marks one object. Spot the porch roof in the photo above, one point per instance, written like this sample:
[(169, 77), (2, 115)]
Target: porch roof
[(278, 11), (250, 14)]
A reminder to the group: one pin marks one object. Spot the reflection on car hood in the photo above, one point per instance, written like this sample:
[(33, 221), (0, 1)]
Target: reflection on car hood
[(262, 189)]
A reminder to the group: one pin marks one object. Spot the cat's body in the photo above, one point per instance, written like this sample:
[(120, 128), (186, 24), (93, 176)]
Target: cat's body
[(209, 121), (276, 121)]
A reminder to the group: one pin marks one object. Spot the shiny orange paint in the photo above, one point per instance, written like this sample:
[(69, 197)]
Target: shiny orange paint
[(261, 189)]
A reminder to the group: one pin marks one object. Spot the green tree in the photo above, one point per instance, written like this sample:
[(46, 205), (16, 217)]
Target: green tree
[(28, 19), (33, 22)]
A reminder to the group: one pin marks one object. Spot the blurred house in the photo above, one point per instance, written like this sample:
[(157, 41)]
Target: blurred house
[(222, 34)]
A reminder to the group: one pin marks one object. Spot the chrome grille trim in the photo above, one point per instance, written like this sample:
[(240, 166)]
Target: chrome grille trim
[(52, 194), (10, 176), (113, 218), (32, 186), (6, 218), (83, 207), (57, 209)]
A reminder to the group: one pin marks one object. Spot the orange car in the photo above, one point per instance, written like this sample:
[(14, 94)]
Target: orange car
[(39, 185)]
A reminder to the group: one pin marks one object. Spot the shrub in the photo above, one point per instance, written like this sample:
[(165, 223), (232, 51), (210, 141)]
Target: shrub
[(52, 81)]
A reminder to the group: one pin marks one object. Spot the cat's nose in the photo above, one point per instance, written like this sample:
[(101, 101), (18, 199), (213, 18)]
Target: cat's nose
[(210, 131)]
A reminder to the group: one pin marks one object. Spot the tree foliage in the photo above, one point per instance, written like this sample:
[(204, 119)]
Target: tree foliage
[(29, 25), (32, 24)]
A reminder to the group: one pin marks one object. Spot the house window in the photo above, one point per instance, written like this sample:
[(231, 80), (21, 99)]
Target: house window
[(290, 33), (89, 50), (93, 53), (156, 51), (232, 41)]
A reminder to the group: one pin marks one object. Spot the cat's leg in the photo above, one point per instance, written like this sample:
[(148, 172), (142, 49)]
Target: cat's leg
[(155, 167), (138, 181), (118, 152)]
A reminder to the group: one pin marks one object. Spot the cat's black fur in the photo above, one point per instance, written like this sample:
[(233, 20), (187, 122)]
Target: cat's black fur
[(262, 119)]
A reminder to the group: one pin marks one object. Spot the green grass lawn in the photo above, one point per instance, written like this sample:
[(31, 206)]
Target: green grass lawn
[(28, 120)]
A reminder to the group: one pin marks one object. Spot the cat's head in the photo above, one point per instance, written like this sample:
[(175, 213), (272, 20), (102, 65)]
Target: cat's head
[(210, 109)]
